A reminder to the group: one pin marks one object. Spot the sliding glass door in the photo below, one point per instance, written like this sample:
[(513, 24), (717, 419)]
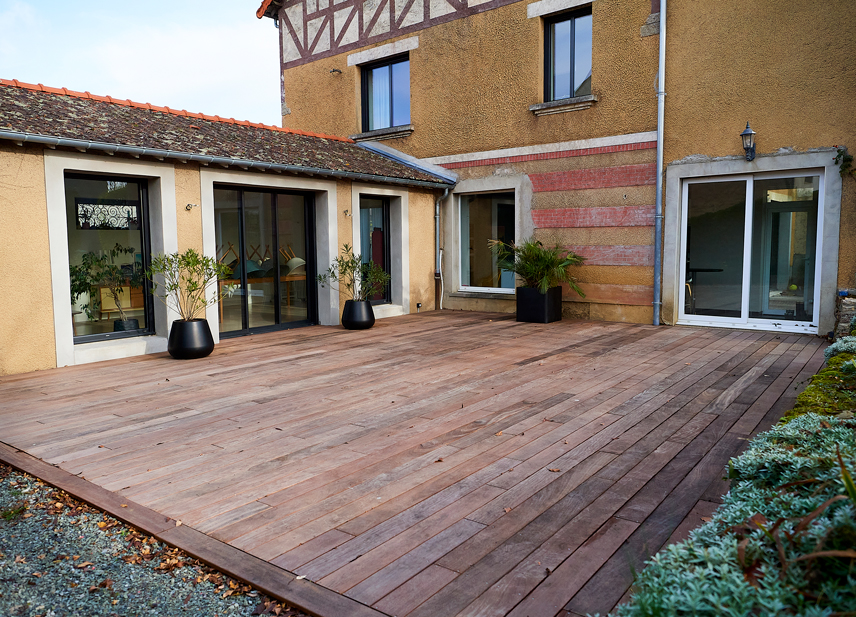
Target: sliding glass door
[(749, 251), (266, 238)]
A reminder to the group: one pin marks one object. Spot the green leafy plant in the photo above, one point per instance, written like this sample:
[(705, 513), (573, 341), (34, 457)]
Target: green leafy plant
[(539, 266), (100, 270), (359, 281), (844, 160), (181, 280)]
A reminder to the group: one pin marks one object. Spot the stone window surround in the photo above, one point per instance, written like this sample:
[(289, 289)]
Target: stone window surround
[(521, 185), (326, 230), (164, 238), (820, 160), (399, 244)]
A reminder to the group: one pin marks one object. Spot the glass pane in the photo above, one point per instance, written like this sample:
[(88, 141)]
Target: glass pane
[(582, 55), (106, 255), (259, 260), (784, 232), (379, 111), (227, 231), (483, 218), (401, 93), (374, 237), (716, 214), (291, 232), (561, 55)]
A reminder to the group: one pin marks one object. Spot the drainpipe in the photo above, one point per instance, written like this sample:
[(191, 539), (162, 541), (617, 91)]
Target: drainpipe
[(658, 207), (438, 290)]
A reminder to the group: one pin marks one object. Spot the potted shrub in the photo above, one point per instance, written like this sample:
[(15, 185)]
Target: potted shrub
[(180, 281), (99, 270), (543, 270), (359, 282)]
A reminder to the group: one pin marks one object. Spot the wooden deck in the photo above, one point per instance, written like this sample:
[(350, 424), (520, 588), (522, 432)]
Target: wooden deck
[(448, 463)]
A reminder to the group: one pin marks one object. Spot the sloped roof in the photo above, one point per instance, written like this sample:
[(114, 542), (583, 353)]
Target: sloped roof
[(36, 110)]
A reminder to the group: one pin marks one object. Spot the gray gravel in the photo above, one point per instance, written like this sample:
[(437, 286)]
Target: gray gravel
[(55, 559)]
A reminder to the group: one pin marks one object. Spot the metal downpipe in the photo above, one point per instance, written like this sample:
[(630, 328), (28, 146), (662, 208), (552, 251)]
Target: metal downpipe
[(658, 207), (437, 275)]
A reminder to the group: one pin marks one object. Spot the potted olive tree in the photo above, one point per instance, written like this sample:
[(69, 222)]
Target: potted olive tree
[(99, 271), (358, 281), (543, 270), (181, 282)]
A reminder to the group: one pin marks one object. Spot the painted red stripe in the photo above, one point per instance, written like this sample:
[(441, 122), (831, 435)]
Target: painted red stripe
[(617, 216), (546, 156), (598, 178), (616, 255)]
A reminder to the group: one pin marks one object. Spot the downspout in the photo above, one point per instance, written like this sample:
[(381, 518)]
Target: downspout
[(438, 290), (658, 207)]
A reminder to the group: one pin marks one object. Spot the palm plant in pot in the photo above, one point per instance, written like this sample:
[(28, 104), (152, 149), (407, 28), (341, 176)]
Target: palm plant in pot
[(181, 282), (98, 271), (543, 270), (358, 281)]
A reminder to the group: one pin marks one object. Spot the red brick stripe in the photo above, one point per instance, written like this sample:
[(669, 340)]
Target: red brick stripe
[(545, 156), (616, 255), (603, 177), (617, 216)]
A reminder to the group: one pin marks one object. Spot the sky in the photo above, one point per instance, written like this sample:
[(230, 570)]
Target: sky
[(209, 56)]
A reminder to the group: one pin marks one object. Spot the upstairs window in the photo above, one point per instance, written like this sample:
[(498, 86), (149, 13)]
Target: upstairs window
[(386, 94), (567, 55)]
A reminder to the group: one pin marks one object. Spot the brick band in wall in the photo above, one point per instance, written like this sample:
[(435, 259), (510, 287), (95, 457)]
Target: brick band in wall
[(616, 255), (544, 156), (618, 216), (604, 177)]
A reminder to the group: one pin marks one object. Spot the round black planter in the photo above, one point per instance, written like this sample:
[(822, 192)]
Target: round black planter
[(124, 326), (357, 315), (190, 339)]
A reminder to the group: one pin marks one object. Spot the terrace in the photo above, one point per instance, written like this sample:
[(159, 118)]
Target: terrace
[(440, 464)]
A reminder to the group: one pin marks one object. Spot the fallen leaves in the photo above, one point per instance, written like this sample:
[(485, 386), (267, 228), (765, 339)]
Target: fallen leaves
[(499, 434), (554, 469)]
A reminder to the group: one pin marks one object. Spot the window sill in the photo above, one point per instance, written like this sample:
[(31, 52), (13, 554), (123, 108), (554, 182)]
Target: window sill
[(393, 132), (576, 103), (491, 295)]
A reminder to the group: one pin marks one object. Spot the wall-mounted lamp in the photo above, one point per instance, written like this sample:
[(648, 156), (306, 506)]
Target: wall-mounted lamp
[(346, 212), (190, 207), (334, 71), (748, 137)]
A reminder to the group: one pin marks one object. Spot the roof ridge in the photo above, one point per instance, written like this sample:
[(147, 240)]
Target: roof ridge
[(176, 112)]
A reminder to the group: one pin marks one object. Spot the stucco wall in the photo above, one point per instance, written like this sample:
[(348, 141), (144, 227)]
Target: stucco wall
[(26, 330), (421, 250), (188, 191), (785, 68), (473, 80)]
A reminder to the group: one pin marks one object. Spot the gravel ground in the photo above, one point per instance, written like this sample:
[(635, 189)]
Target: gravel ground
[(59, 557)]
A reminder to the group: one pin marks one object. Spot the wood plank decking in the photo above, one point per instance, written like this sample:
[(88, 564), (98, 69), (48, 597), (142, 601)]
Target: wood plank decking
[(439, 464)]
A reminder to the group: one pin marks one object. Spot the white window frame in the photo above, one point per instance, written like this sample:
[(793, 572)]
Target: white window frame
[(475, 288)]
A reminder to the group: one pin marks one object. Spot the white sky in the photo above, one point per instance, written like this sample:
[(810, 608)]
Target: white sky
[(210, 56)]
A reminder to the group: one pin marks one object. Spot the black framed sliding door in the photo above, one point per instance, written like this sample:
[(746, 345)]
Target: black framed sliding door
[(266, 237)]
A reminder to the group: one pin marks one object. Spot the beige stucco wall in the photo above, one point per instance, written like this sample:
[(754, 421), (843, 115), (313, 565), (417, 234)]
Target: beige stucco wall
[(26, 303), (783, 67), (421, 232), (188, 191), (473, 80)]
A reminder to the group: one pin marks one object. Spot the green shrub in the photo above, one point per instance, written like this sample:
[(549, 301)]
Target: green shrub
[(777, 545), (846, 344)]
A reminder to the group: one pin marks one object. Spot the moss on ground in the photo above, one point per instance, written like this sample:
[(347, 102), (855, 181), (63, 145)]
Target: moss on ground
[(831, 392)]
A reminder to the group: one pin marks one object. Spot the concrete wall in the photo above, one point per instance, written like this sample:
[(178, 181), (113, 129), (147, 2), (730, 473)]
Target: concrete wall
[(26, 303)]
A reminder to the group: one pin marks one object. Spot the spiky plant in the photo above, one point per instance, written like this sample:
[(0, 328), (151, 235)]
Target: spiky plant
[(539, 266)]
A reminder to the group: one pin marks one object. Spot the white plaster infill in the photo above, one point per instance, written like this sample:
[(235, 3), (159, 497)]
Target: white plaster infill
[(383, 51), (548, 7), (563, 146)]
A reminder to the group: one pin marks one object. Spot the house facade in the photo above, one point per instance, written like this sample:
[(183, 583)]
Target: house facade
[(546, 111), (85, 178)]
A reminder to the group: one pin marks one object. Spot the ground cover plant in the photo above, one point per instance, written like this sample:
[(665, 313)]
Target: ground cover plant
[(782, 543)]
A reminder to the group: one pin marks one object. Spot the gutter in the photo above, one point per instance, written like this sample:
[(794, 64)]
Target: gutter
[(658, 207), (135, 151)]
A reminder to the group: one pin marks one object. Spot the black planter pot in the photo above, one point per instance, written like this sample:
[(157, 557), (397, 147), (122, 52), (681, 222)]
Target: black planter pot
[(535, 307), (190, 339), (128, 324), (357, 315)]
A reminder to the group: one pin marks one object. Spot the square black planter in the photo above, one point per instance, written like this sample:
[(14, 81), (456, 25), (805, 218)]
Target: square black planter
[(535, 307)]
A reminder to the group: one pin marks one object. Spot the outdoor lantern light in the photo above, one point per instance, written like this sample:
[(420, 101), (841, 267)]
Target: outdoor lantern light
[(749, 142)]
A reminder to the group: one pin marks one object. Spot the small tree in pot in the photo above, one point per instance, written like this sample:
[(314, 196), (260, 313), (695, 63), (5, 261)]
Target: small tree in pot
[(99, 270), (181, 282), (359, 281), (543, 270)]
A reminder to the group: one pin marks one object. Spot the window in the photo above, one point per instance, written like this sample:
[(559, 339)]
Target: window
[(108, 251), (567, 55), (386, 94), (485, 217), (374, 239)]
